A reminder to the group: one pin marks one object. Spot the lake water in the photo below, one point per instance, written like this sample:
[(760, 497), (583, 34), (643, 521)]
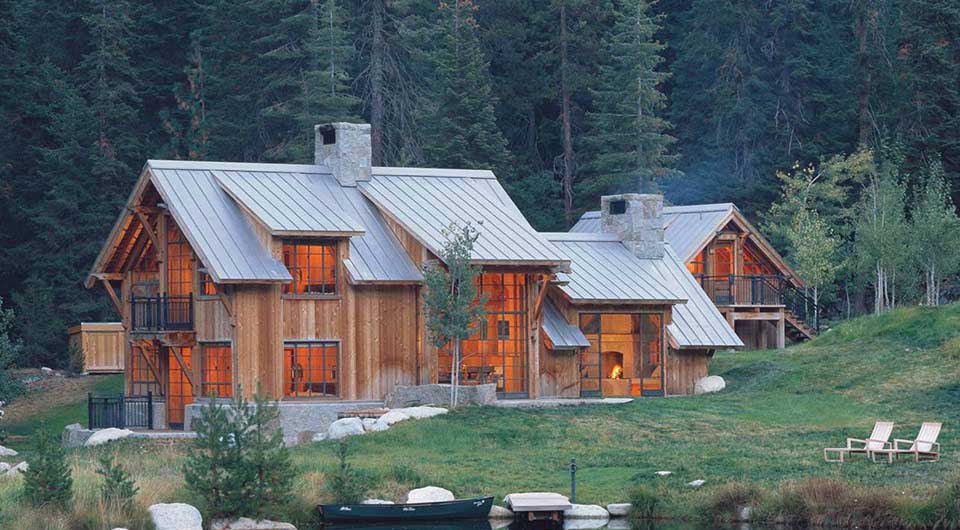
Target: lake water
[(616, 524)]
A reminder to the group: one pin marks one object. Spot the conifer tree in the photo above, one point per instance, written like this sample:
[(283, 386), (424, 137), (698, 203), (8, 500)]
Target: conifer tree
[(462, 130), (628, 137), (47, 480)]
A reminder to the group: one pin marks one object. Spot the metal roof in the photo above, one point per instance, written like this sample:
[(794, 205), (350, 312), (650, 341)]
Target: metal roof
[(561, 333), (603, 271), (290, 203), (215, 227), (375, 254), (427, 201), (686, 228)]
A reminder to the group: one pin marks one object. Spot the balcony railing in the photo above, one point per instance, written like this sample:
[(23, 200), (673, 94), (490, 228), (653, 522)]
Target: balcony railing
[(161, 313), (761, 289)]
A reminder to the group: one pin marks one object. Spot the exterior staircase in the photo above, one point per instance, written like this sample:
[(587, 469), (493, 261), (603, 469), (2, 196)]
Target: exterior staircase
[(797, 329)]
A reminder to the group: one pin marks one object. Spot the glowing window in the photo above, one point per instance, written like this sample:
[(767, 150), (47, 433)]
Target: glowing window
[(313, 265)]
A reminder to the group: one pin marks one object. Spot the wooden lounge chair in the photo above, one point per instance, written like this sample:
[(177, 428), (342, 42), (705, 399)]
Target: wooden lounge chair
[(878, 440), (924, 447)]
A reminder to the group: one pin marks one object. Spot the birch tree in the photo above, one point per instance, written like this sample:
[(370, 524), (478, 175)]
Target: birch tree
[(935, 229), (450, 299)]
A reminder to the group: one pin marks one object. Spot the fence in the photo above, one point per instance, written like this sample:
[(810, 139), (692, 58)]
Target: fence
[(122, 412), (161, 313)]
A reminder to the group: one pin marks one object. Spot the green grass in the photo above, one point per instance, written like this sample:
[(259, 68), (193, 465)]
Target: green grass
[(768, 427)]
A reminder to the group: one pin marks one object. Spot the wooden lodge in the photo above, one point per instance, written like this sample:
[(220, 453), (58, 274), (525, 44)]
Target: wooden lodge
[(305, 282), (760, 296)]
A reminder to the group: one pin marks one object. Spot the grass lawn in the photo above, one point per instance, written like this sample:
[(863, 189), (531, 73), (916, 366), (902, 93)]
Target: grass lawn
[(779, 410)]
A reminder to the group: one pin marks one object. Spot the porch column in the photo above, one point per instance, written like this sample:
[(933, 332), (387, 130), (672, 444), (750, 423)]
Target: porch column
[(781, 331)]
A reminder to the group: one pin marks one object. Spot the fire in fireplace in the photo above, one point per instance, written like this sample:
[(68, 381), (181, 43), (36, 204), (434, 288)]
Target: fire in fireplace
[(614, 361)]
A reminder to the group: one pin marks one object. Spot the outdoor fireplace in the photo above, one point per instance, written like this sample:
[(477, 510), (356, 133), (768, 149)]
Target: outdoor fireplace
[(614, 383)]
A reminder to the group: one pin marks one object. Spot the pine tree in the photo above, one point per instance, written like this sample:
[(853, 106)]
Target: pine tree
[(628, 137), (461, 131), (47, 480)]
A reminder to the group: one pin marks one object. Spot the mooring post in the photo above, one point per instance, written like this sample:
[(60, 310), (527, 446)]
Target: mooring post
[(573, 480)]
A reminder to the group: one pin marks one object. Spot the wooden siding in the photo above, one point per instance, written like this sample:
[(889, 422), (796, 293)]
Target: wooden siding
[(258, 340), (684, 368), (102, 344), (386, 341)]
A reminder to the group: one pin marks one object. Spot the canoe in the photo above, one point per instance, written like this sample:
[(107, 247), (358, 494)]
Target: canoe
[(428, 511)]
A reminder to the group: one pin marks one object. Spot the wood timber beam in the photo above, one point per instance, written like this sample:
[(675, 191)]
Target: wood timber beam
[(153, 368), (186, 370), (541, 296), (227, 305), (113, 296), (147, 227)]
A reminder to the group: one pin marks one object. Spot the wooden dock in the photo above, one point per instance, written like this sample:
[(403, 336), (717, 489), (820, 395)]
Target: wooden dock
[(538, 506)]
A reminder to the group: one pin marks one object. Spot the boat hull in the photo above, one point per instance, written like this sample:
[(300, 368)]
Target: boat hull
[(432, 511)]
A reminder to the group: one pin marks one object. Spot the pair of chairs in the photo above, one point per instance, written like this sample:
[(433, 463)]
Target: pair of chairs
[(923, 447)]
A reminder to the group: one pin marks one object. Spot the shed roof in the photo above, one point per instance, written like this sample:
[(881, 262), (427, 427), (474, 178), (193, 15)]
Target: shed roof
[(561, 333), (427, 201), (603, 270)]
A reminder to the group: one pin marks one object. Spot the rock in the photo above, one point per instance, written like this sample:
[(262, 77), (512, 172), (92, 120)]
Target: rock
[(409, 396), (377, 427), (368, 423), (619, 524), (422, 412), (74, 435), (429, 494), (696, 483), (499, 512), (585, 524), (46, 371), (376, 501), (175, 516), (619, 509), (245, 523), (319, 437), (392, 417), (345, 427), (106, 435), (4, 467), (14, 471), (744, 513), (711, 383), (663, 473), (586, 511), (6, 451)]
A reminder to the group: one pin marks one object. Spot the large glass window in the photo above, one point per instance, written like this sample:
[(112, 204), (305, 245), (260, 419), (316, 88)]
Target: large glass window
[(313, 265), (181, 392), (698, 265), (216, 378), (143, 378), (310, 369), (208, 288), (625, 357), (179, 263), (497, 351)]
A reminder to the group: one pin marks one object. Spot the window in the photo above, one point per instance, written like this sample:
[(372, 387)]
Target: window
[(207, 286), (216, 378), (310, 369), (143, 378), (697, 265), (626, 354), (179, 263), (753, 263), (313, 265)]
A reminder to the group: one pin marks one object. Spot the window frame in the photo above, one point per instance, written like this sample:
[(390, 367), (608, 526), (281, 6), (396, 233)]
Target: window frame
[(202, 277), (203, 368), (293, 243), (337, 380)]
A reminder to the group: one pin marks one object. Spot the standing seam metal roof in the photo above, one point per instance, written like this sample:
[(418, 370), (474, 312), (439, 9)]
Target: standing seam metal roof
[(562, 334)]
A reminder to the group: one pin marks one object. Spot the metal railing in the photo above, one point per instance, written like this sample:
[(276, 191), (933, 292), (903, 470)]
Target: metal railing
[(161, 313), (120, 411), (761, 289)]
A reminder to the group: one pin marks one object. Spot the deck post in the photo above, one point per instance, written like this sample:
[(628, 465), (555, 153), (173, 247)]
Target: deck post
[(781, 331)]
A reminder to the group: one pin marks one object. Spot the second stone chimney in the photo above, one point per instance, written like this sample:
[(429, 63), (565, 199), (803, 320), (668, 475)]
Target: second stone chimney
[(637, 219), (345, 149)]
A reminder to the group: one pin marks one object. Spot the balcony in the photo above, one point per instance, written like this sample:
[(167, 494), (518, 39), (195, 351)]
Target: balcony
[(161, 313), (760, 290)]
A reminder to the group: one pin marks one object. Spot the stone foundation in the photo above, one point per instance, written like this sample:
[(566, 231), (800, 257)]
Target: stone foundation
[(414, 396)]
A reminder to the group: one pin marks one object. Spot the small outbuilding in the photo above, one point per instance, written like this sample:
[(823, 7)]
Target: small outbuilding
[(102, 346)]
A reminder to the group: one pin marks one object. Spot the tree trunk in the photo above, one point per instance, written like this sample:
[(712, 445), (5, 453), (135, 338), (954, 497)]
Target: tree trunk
[(455, 379), (565, 113), (377, 97)]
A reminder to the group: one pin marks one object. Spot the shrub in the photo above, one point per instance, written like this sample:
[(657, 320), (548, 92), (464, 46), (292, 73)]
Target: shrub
[(943, 510), (238, 465), (75, 359), (647, 502), (117, 486), (48, 480), (346, 484), (725, 501), (10, 350)]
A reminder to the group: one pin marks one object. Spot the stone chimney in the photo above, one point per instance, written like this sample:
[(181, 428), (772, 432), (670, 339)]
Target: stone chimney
[(637, 219), (345, 149)]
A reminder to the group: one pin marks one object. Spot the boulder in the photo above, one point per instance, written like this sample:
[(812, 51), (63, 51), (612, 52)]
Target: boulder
[(175, 516), (696, 483), (499, 512), (318, 437), (345, 427), (621, 509), (429, 494), (409, 396), (586, 511), (711, 383), (106, 435), (46, 371), (245, 523), (74, 435), (418, 413), (6, 451), (17, 469), (390, 418), (663, 473), (368, 423), (377, 427), (376, 501), (4, 467)]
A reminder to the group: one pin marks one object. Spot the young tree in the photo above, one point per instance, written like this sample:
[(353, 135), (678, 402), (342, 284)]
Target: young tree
[(117, 486), (47, 480), (814, 250), (627, 137), (935, 229), (450, 300)]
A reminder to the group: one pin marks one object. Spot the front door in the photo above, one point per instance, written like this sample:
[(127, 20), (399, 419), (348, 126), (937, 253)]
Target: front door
[(722, 270)]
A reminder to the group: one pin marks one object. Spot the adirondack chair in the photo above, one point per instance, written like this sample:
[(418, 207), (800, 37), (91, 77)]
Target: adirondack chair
[(924, 447), (879, 439)]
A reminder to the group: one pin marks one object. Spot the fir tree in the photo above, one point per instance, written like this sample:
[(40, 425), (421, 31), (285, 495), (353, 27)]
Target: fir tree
[(47, 480), (461, 131), (628, 137), (117, 485)]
